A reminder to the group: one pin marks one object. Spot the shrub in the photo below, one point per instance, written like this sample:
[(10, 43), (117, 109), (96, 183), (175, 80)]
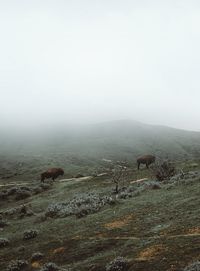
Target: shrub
[(3, 195), (193, 267), (80, 206), (118, 264), (3, 223), (30, 234), (22, 194), (25, 188), (11, 211), (135, 190), (4, 242), (21, 211), (125, 195), (155, 186), (12, 191), (25, 211), (50, 267), (17, 265), (150, 185), (185, 177), (164, 171), (37, 256), (19, 192)]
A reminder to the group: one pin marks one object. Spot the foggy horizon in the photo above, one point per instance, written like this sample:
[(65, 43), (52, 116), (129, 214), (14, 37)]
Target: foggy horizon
[(86, 62)]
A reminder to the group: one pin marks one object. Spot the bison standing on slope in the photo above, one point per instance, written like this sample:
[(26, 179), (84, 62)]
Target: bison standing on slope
[(145, 159), (52, 173)]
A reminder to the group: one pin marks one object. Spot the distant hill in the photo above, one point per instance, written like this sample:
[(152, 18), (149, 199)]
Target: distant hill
[(116, 140)]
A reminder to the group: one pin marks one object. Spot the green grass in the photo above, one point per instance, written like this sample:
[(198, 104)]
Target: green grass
[(150, 230), (81, 149)]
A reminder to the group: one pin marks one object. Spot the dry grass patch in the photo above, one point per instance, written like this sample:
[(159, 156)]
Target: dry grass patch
[(101, 235), (77, 237), (120, 223), (151, 252), (195, 230), (59, 250), (36, 265)]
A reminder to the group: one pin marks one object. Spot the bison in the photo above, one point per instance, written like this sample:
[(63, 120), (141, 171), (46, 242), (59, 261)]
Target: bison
[(145, 159), (52, 173)]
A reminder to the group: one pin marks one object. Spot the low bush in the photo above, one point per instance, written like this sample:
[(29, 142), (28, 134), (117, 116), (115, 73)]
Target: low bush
[(4, 242), (3, 222), (17, 265), (51, 267), (37, 256), (164, 171), (30, 234), (185, 177), (137, 189), (20, 211), (22, 194), (12, 191), (80, 206), (3, 195), (118, 264), (195, 266), (19, 192)]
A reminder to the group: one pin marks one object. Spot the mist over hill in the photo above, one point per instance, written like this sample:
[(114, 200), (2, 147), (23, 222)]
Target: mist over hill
[(124, 139)]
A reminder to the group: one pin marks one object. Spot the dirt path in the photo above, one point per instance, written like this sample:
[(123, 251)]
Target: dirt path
[(13, 184), (74, 180), (59, 181)]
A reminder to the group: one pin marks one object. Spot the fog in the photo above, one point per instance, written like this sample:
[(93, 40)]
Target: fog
[(92, 61)]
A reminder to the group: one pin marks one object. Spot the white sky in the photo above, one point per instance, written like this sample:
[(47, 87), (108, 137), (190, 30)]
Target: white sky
[(97, 60)]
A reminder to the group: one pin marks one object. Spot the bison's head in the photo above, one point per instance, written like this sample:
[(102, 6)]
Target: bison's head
[(61, 172)]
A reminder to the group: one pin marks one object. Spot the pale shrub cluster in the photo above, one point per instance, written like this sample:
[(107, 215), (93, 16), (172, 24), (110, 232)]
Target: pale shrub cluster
[(80, 205)]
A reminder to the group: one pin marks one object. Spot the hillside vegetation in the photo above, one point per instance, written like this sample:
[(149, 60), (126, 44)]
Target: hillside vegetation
[(81, 223), (82, 148)]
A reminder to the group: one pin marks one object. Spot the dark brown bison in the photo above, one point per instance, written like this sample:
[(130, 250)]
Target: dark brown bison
[(145, 159), (52, 173)]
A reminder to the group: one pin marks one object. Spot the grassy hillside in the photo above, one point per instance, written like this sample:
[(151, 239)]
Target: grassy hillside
[(123, 139), (82, 148), (153, 229), (79, 224)]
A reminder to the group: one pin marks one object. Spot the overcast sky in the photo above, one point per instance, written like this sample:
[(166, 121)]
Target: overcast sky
[(97, 60)]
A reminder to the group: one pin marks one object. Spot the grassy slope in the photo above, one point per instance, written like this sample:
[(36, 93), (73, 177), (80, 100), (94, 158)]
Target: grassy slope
[(151, 230), (120, 139), (81, 149)]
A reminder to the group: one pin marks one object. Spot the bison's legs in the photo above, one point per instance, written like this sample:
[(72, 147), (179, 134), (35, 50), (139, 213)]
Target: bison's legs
[(138, 165), (42, 179), (147, 165)]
